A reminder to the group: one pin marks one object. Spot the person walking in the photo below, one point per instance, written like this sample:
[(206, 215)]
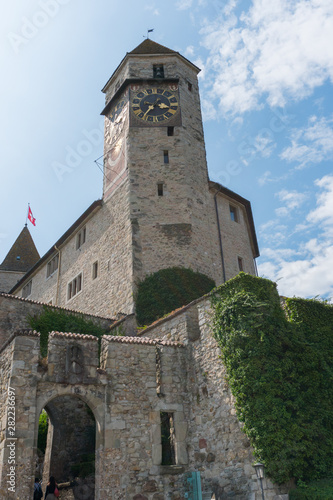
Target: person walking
[(52, 492)]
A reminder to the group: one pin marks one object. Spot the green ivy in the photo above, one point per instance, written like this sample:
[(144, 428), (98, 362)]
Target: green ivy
[(42, 431), (316, 490), (279, 368), (53, 320), (167, 290)]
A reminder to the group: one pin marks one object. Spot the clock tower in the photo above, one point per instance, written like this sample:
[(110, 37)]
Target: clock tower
[(155, 152)]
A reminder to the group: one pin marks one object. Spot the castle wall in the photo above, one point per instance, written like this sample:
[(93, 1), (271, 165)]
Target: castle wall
[(14, 314), (108, 242), (217, 447), (17, 428)]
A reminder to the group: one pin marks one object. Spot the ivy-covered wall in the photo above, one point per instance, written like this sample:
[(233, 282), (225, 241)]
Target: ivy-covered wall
[(279, 363)]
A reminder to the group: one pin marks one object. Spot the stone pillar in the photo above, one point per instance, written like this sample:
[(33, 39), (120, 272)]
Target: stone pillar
[(17, 448)]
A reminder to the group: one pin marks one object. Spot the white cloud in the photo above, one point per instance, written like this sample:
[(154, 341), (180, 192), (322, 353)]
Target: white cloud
[(275, 51), (184, 4), (323, 213), (292, 199), (308, 270), (312, 144)]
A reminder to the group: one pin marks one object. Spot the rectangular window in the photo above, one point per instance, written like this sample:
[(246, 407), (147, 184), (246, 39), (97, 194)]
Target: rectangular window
[(80, 238), (168, 438), (26, 291), (95, 270), (166, 156), (158, 71), (52, 265), (233, 213), (189, 86), (240, 264), (74, 287), (171, 131), (160, 189)]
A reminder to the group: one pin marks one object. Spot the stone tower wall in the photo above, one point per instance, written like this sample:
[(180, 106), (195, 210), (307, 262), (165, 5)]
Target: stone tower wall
[(8, 279), (235, 237)]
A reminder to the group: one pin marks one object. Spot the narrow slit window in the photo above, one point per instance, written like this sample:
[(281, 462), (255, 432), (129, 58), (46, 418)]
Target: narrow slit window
[(240, 264), (189, 86), (160, 189), (168, 438), (171, 131), (95, 270), (166, 156)]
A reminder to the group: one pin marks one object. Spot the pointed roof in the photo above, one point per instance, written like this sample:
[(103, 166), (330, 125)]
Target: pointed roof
[(23, 254), (150, 47)]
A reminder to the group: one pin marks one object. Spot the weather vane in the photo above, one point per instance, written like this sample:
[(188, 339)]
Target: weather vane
[(149, 31)]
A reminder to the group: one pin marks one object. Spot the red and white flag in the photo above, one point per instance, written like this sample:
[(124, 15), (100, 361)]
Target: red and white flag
[(31, 217)]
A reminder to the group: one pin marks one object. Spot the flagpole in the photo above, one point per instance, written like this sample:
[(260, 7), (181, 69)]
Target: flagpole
[(26, 221)]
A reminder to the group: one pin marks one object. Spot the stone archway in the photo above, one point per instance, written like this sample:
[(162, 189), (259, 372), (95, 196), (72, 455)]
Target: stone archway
[(71, 446)]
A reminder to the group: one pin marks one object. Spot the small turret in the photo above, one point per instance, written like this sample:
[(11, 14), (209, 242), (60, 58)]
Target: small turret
[(20, 258)]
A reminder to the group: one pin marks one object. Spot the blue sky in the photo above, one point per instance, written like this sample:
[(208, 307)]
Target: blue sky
[(266, 93)]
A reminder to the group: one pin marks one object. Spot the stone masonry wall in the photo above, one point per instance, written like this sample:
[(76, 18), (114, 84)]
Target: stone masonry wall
[(17, 453), (8, 279), (178, 228), (217, 447), (235, 237), (108, 242), (14, 313)]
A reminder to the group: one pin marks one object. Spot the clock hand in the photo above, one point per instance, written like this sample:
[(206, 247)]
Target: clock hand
[(163, 106), (150, 107)]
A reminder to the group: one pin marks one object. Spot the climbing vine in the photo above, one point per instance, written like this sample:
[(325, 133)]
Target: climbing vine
[(279, 364)]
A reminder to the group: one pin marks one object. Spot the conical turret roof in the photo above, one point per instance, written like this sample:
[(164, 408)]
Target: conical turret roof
[(150, 47), (23, 254)]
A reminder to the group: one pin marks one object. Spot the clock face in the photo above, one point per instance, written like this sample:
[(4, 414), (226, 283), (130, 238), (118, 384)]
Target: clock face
[(154, 105)]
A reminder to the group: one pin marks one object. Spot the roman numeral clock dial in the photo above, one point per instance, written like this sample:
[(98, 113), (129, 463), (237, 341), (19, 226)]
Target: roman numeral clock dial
[(154, 106)]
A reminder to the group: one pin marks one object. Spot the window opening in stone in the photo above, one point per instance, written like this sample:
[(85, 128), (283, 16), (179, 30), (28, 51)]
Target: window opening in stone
[(166, 156), (158, 71), (26, 291), (189, 86), (74, 287), (80, 238), (66, 446), (233, 213), (95, 270), (240, 264), (160, 189), (168, 438), (171, 131), (52, 265)]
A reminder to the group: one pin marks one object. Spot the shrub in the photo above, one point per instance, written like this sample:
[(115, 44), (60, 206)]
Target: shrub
[(169, 289)]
